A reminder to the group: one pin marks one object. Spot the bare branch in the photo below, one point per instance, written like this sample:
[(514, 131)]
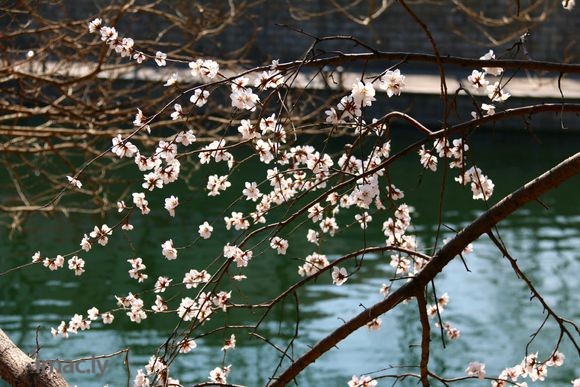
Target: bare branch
[(530, 191)]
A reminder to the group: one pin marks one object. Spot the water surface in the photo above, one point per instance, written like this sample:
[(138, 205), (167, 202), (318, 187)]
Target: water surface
[(490, 306)]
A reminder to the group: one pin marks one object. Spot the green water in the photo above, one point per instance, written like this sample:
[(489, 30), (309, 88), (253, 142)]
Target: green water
[(488, 304)]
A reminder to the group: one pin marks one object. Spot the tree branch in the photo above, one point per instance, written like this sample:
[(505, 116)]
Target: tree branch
[(517, 64), (483, 224), (559, 320), (425, 337), (18, 369)]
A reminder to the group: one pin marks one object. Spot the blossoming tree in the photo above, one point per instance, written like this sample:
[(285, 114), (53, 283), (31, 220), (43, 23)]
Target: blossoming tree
[(301, 189)]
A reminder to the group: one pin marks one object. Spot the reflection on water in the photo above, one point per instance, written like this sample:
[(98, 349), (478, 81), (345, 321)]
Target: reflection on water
[(488, 304)]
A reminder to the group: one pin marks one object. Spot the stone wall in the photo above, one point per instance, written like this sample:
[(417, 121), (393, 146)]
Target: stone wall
[(555, 39)]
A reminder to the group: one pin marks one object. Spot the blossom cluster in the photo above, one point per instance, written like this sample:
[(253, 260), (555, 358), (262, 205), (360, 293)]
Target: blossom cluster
[(495, 91), (78, 322), (356, 183), (530, 367), (481, 185), (363, 381), (363, 95)]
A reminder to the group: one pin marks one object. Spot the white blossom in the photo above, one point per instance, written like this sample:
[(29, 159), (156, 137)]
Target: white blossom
[(123, 148), (477, 79), (279, 244), (160, 58), (339, 275), (199, 97), (363, 381), (171, 80), (171, 204), (393, 82), (363, 94), (205, 230), (229, 343), (491, 70), (314, 263), (95, 25), (168, 250), (476, 369), (496, 93), (569, 5), (101, 234)]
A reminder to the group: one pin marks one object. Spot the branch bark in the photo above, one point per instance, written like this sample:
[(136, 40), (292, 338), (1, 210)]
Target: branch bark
[(562, 172), (425, 337), (408, 57), (18, 369)]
